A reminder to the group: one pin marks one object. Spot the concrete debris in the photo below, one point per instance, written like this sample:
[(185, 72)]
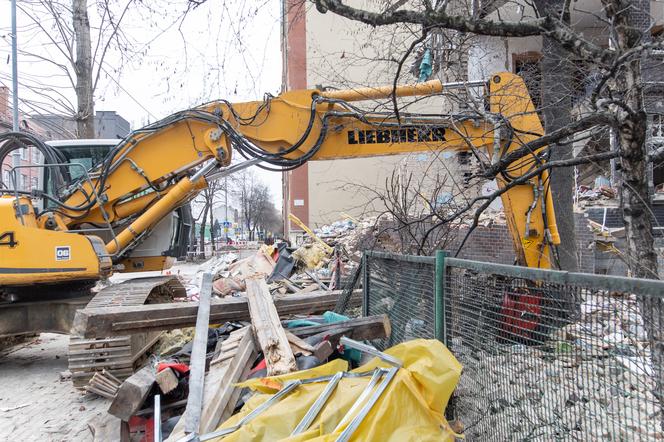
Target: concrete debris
[(600, 195), (235, 273)]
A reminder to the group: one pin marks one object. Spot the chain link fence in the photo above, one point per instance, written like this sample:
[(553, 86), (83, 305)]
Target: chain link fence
[(546, 355)]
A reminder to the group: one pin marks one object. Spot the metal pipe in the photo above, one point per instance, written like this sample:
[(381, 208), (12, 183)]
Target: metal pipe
[(373, 93), (309, 417), (409, 90), (157, 418), (350, 429), (350, 343), (378, 373), (258, 410), (231, 169)]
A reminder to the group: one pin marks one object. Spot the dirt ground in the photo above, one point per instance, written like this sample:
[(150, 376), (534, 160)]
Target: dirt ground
[(35, 403)]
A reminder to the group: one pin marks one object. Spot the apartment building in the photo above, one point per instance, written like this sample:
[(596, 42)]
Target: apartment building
[(26, 177)]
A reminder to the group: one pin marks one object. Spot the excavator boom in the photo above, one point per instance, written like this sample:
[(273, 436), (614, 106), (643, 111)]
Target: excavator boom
[(99, 218)]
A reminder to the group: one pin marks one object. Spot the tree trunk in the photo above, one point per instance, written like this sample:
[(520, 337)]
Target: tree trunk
[(634, 197), (201, 233), (557, 106), (632, 20), (84, 117)]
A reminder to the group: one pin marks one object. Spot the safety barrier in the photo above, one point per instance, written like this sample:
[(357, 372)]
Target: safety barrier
[(547, 355)]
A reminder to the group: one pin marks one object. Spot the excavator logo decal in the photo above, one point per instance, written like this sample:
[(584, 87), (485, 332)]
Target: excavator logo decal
[(407, 134), (62, 253)]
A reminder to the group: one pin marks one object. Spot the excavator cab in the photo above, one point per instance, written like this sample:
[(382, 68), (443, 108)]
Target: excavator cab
[(171, 236)]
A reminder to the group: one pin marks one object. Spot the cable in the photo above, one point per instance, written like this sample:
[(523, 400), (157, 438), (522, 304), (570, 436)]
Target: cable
[(11, 141)]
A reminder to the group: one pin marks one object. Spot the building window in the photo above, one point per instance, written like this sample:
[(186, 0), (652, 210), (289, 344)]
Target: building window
[(33, 183), (24, 182), (24, 154), (528, 66), (36, 156)]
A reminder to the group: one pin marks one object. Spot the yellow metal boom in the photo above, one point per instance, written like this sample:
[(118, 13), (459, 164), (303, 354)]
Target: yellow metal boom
[(162, 166)]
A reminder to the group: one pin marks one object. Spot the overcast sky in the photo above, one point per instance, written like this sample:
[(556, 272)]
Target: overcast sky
[(223, 49)]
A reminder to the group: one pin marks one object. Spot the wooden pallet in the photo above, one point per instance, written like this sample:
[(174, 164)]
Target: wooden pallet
[(119, 355)]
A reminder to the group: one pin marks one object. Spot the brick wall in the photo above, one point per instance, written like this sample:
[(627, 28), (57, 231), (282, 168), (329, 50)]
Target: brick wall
[(494, 244), (491, 244)]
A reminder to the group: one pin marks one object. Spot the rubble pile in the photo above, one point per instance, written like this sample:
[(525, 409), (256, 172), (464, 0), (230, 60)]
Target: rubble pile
[(592, 381), (260, 323), (600, 195), (371, 233)]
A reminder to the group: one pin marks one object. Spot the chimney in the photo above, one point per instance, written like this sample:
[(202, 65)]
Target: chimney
[(4, 102)]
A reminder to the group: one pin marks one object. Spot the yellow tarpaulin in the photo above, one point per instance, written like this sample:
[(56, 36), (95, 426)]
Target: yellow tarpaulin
[(410, 409)]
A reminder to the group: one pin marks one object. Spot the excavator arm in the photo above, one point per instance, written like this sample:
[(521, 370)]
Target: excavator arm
[(101, 216)]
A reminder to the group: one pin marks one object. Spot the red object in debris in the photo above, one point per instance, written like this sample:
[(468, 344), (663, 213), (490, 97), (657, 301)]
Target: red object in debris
[(179, 367), (261, 365), (520, 312), (143, 425)]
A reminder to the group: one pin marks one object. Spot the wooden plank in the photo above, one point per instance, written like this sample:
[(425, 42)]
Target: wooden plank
[(98, 391), (323, 350), (192, 413), (298, 342), (132, 393), (360, 329), (222, 379), (268, 329), (220, 393), (113, 321)]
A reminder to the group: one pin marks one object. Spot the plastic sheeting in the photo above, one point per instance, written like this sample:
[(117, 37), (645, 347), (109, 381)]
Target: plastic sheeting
[(410, 409)]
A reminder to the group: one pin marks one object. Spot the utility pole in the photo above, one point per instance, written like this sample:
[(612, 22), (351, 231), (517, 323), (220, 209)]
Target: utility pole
[(226, 207), (14, 72), (16, 155)]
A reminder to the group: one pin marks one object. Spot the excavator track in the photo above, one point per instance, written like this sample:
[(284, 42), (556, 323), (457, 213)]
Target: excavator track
[(120, 354)]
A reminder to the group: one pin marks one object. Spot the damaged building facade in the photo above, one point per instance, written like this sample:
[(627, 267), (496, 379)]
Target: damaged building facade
[(326, 50)]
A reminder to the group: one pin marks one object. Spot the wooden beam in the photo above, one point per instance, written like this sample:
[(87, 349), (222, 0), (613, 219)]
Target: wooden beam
[(132, 393), (103, 322), (167, 380), (192, 413), (267, 327), (359, 329), (105, 428)]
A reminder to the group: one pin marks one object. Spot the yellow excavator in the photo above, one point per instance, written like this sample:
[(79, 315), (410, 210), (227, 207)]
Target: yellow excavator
[(87, 227)]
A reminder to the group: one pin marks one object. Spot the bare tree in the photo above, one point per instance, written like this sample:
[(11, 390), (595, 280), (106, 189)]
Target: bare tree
[(206, 201), (256, 207), (409, 204), (77, 40)]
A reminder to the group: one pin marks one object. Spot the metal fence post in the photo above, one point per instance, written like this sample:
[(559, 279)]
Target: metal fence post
[(365, 284), (440, 331)]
